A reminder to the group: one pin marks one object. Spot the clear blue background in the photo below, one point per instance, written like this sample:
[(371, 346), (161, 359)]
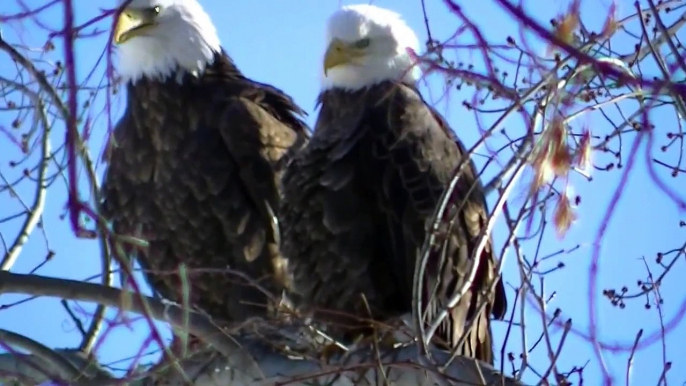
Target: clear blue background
[(281, 42)]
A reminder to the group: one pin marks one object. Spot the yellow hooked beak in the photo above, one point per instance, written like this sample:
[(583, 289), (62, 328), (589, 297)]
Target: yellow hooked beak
[(339, 53), (133, 22)]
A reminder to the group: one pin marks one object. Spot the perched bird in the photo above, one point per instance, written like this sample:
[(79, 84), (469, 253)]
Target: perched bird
[(359, 197), (194, 164)]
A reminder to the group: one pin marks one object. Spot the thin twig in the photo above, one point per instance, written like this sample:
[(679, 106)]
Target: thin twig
[(36, 285)]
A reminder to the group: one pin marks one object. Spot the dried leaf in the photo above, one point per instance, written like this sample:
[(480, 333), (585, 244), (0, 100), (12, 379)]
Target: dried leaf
[(564, 30), (610, 26), (561, 161), (542, 168), (583, 155), (564, 216)]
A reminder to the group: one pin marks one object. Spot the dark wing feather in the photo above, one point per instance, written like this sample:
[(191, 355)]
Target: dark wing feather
[(271, 147), (372, 175), (195, 171), (126, 199), (423, 155), (328, 223)]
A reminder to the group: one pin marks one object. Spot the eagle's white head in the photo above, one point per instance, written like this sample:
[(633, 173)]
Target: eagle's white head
[(367, 45), (155, 37)]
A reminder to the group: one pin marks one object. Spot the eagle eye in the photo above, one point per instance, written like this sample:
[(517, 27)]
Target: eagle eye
[(362, 43)]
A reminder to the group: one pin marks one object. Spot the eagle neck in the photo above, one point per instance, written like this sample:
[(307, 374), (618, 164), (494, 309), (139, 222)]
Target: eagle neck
[(346, 95), (221, 66)]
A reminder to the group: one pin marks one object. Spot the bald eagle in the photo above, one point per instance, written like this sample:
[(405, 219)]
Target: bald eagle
[(359, 197), (195, 162)]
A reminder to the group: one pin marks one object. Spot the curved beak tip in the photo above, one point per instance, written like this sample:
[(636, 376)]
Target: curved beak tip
[(129, 23)]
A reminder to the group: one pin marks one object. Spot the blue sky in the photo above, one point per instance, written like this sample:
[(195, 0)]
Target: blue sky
[(281, 42)]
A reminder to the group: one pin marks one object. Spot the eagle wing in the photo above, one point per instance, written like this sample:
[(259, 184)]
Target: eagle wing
[(327, 225), (275, 144), (422, 155), (363, 194), (201, 186)]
